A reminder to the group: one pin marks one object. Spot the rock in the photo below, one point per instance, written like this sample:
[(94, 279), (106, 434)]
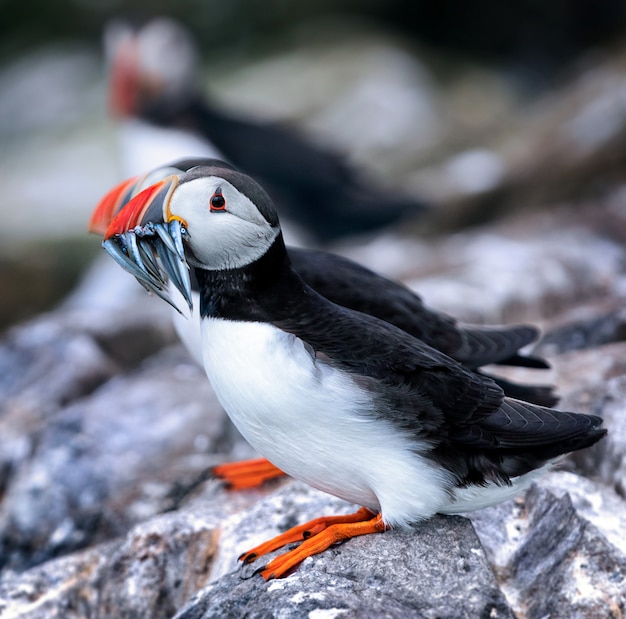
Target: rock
[(608, 462), (593, 381), (595, 329), (66, 588), (158, 567), (555, 551), (110, 460), (559, 147), (150, 573), (437, 569), (520, 269)]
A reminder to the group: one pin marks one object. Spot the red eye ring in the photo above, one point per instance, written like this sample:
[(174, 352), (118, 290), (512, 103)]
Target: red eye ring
[(217, 201)]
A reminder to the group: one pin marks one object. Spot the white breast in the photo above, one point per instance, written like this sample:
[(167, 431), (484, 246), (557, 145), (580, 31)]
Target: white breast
[(187, 322), (315, 423)]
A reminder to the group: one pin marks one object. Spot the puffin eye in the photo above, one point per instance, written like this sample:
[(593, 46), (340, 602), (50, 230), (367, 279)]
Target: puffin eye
[(217, 201)]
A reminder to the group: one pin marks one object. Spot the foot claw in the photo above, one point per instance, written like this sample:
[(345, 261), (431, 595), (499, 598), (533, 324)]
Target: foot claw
[(316, 536), (247, 557)]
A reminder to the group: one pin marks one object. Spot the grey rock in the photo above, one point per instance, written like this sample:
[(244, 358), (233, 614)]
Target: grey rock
[(594, 502), (79, 464), (46, 364), (608, 462), (110, 460), (566, 568), (149, 573), (158, 567), (559, 551), (593, 381), (521, 269), (436, 569), (594, 330), (66, 588)]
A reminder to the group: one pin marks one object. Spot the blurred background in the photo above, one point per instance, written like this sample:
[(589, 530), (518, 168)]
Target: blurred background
[(507, 118), (480, 108)]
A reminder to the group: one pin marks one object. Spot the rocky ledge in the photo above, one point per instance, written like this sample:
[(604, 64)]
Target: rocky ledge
[(108, 432)]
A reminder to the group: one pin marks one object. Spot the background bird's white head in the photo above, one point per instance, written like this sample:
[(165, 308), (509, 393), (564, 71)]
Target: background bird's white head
[(230, 220), (167, 53), (150, 65)]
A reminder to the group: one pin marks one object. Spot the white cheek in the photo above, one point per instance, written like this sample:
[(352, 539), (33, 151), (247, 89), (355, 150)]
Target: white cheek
[(227, 242), (221, 240)]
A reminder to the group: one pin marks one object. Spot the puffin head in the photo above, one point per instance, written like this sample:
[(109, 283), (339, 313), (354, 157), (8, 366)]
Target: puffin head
[(150, 66), (211, 217), (228, 219)]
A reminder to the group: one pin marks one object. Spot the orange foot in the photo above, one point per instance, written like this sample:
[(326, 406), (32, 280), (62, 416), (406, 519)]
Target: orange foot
[(247, 473), (318, 535)]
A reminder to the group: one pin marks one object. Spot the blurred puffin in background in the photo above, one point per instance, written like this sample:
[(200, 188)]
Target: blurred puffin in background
[(163, 116)]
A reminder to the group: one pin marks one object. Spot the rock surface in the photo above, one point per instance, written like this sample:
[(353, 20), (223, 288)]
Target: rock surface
[(438, 569), (559, 551)]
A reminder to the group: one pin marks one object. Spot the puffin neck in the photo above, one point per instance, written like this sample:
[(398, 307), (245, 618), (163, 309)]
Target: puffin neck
[(264, 290)]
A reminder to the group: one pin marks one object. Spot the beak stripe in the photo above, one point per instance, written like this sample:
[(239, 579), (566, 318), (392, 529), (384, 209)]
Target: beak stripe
[(110, 205), (147, 206)]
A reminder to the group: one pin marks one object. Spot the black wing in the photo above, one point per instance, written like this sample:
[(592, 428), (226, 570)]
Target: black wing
[(351, 285)]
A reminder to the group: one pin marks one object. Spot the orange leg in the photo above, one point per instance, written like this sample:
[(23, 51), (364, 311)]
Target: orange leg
[(247, 473), (318, 535)]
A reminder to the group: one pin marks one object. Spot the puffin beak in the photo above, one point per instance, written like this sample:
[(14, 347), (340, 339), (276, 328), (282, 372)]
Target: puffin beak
[(146, 240), (111, 204), (147, 208), (124, 72)]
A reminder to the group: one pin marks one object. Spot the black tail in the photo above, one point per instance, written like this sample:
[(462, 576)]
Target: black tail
[(500, 345), (520, 437)]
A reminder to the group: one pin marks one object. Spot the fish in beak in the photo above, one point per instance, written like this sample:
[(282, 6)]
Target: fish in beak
[(143, 236)]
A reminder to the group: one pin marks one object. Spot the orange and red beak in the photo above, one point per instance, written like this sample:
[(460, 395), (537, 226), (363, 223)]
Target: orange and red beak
[(124, 79), (143, 236), (150, 206), (111, 204)]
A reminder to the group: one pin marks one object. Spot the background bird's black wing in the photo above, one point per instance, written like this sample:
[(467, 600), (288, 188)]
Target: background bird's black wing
[(354, 286), (351, 285), (313, 184)]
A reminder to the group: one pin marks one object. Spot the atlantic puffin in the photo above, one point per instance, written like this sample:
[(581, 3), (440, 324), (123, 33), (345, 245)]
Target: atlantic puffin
[(338, 279), (337, 398), (154, 96)]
